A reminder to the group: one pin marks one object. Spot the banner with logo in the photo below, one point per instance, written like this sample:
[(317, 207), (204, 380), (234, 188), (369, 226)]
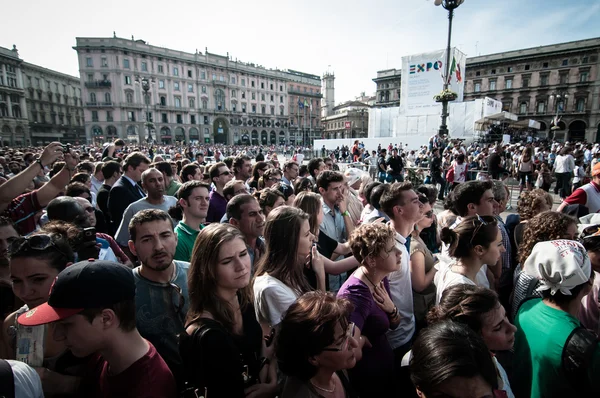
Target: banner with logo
[(423, 76)]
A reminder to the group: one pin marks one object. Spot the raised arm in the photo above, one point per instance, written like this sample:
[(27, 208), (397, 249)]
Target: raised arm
[(19, 183), (57, 183)]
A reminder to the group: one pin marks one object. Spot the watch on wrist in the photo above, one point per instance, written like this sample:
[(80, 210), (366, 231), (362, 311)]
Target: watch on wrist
[(39, 161), (346, 214)]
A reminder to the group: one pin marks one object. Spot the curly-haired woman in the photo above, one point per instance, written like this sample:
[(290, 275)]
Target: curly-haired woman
[(374, 312), (530, 203), (546, 226)]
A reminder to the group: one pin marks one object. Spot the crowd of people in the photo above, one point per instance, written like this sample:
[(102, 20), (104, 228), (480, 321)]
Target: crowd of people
[(215, 271)]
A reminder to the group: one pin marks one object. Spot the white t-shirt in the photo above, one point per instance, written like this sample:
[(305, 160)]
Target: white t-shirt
[(299, 158), (272, 298), (27, 381), (447, 278), (122, 235), (401, 295), (504, 379)]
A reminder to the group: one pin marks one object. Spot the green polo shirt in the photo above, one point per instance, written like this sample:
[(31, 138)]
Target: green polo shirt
[(186, 237), (173, 188)]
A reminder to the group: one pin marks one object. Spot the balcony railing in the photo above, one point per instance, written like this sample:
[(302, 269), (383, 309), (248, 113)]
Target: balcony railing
[(99, 104), (304, 93), (99, 84)]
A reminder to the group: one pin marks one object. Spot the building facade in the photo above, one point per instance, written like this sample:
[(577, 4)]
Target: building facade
[(304, 93), (200, 97), (543, 83), (54, 106), (348, 120), (14, 125), (388, 84)]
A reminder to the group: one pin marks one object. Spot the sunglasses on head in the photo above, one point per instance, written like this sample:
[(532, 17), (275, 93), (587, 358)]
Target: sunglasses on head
[(482, 222), (35, 242)]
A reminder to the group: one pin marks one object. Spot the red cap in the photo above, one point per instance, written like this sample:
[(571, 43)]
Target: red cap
[(45, 313)]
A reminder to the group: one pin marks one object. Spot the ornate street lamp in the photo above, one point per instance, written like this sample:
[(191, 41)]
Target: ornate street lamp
[(449, 5), (560, 96), (145, 84)]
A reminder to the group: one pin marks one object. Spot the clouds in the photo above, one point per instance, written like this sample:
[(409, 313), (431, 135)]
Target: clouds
[(357, 38)]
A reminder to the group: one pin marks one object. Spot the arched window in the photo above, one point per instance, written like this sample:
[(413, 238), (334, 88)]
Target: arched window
[(93, 98), (204, 104), (163, 101), (129, 97), (107, 98), (192, 103)]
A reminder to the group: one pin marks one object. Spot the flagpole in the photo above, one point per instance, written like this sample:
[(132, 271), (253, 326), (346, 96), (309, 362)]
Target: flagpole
[(304, 122), (297, 119), (309, 120)]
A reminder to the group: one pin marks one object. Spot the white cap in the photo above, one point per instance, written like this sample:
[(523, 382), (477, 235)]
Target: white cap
[(353, 174), (560, 265)]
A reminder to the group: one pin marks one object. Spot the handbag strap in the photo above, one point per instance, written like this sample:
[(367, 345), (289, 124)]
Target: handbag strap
[(7, 380)]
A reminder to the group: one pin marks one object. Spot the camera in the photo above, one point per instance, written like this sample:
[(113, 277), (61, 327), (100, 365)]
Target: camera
[(66, 148)]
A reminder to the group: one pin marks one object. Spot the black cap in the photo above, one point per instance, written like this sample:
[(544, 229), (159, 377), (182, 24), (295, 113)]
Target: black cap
[(86, 284)]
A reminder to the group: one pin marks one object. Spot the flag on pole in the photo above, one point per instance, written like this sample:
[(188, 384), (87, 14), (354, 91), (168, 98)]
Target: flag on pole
[(458, 73), (305, 103), (300, 104), (452, 69)]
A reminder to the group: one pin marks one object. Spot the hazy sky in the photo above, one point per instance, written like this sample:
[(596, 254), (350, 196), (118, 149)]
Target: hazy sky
[(352, 38)]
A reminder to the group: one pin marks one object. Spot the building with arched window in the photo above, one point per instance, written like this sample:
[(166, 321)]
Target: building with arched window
[(14, 125), (199, 97)]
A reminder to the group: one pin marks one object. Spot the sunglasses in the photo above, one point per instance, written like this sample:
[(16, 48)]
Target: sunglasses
[(429, 214), (275, 179), (344, 345), (225, 173), (35, 242), (482, 222), (181, 303)]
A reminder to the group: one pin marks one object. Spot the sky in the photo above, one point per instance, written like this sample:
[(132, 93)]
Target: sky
[(351, 38)]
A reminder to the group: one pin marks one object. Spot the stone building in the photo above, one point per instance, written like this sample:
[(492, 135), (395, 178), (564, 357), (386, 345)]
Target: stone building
[(54, 106), (542, 83), (388, 84), (304, 93), (14, 125), (191, 97), (538, 83), (348, 120)]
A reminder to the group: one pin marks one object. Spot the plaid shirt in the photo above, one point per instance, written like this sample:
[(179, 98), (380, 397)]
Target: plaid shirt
[(506, 257)]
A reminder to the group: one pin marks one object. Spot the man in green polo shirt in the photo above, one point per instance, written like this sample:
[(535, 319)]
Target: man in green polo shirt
[(193, 202), (171, 185)]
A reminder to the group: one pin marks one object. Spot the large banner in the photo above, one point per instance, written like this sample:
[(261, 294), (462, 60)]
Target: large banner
[(423, 77)]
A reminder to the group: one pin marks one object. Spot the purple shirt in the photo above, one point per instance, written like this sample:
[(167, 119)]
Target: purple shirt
[(376, 368), (217, 205)]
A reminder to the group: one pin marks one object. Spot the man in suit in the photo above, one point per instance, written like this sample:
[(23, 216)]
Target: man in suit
[(127, 190), (111, 172)]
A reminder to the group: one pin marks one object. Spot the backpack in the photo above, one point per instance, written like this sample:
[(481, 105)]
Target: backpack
[(195, 384), (7, 380), (576, 358)]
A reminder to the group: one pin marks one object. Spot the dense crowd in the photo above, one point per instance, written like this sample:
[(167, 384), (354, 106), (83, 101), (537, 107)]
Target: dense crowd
[(234, 271)]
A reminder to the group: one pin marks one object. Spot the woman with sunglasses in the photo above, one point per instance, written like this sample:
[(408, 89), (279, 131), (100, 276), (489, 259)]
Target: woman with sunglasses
[(223, 350), (422, 270), (303, 184), (35, 261), (374, 313), (315, 346), (474, 242)]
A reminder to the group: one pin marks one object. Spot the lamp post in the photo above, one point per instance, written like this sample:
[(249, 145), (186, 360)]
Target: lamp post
[(449, 5), (560, 96), (145, 84)]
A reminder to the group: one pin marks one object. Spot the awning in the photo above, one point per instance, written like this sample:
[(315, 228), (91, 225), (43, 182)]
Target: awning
[(526, 124), (499, 117)]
